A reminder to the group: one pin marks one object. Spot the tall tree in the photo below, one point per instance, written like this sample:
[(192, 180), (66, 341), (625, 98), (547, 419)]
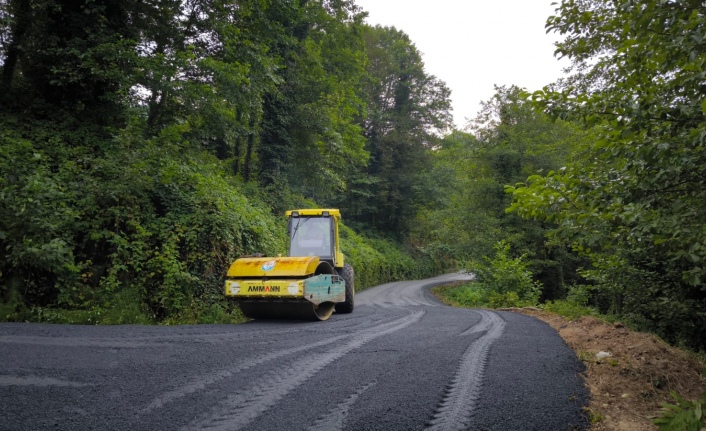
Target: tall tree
[(114, 119), (635, 204), (407, 111), (309, 141), (510, 141), (67, 55)]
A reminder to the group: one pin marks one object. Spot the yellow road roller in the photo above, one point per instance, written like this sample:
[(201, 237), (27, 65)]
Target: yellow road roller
[(310, 283)]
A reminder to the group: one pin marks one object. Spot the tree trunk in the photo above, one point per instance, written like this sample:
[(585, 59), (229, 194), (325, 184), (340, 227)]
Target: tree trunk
[(247, 168), (236, 156), (19, 28)]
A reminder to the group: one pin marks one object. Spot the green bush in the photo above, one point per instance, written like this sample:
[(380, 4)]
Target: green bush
[(130, 230), (502, 282), (508, 279), (126, 307), (684, 415), (474, 295), (503, 300), (575, 305), (467, 295)]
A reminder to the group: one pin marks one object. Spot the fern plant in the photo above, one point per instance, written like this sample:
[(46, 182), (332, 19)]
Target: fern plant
[(682, 416)]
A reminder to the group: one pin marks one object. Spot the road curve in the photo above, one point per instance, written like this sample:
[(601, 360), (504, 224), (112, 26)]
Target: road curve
[(401, 361)]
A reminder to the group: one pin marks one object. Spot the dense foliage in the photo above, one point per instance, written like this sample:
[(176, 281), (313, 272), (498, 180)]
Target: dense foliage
[(145, 145), (634, 202), (685, 415), (468, 221), (407, 110)]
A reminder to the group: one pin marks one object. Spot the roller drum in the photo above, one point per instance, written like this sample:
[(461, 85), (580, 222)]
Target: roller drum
[(287, 310)]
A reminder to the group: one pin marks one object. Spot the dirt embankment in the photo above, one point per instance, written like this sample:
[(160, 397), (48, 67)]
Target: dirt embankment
[(629, 386)]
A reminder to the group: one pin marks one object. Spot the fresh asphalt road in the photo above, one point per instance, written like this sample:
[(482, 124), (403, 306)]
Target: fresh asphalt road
[(400, 361)]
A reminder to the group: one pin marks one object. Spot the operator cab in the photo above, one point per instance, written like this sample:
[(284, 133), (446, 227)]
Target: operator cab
[(313, 233)]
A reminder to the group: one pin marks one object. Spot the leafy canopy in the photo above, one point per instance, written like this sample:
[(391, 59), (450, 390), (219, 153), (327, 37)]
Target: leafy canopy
[(635, 201)]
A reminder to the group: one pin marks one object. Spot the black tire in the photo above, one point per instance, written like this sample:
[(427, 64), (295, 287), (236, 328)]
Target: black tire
[(349, 277)]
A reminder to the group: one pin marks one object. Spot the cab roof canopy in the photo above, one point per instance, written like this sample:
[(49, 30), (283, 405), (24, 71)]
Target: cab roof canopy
[(311, 212)]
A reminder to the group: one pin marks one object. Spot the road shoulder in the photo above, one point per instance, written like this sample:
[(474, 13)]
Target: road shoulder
[(629, 386)]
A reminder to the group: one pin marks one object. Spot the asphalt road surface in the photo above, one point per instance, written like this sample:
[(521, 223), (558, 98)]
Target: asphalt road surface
[(400, 361)]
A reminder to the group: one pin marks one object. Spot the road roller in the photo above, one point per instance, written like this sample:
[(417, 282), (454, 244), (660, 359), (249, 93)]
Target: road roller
[(310, 283)]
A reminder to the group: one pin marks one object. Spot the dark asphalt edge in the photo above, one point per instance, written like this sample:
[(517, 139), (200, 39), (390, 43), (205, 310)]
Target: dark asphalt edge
[(584, 419)]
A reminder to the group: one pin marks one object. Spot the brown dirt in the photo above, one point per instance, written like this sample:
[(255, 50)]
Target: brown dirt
[(628, 387)]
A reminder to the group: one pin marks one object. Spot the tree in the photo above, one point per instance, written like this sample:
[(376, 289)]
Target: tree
[(635, 202), (510, 141), (63, 56), (118, 120), (309, 141), (407, 109)]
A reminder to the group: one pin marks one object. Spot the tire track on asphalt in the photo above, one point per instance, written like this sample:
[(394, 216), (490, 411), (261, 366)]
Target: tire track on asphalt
[(73, 342), (482, 325), (138, 341), (348, 325), (335, 420), (242, 408), (456, 409), (202, 382), (39, 381), (217, 337)]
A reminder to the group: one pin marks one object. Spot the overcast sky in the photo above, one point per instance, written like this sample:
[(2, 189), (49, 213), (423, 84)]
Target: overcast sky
[(474, 44)]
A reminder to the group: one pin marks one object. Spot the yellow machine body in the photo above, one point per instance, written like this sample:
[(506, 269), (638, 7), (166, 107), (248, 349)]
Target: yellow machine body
[(283, 278), (306, 286), (271, 267)]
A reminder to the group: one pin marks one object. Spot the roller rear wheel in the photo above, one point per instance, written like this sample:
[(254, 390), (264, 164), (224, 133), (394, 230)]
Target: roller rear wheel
[(349, 277)]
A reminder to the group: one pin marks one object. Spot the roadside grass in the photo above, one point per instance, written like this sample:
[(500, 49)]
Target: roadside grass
[(216, 313), (476, 295), (123, 308)]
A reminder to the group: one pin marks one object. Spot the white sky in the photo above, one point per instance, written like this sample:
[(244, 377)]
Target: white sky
[(473, 44)]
